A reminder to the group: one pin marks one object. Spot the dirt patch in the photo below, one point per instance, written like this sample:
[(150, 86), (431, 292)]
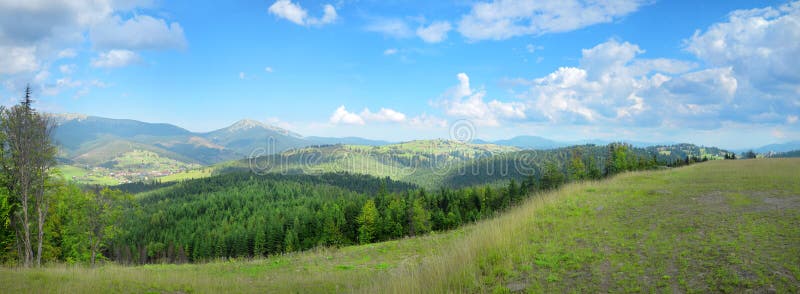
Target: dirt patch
[(758, 201)]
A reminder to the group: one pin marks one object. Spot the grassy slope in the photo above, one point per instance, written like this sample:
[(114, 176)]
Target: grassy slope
[(82, 176), (717, 226)]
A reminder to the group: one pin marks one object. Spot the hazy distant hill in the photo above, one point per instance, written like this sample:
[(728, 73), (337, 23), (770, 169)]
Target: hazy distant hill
[(347, 141), (541, 143), (530, 142), (777, 148), (95, 140)]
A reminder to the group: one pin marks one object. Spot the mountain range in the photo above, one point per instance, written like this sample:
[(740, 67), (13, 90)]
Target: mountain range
[(94, 141)]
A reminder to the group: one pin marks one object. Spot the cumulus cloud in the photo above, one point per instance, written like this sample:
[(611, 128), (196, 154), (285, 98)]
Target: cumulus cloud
[(427, 121), (383, 115), (116, 58), (613, 85), (60, 25), (435, 32), (342, 116), (759, 44), (137, 33), (293, 12), (462, 101), (503, 19), (18, 59)]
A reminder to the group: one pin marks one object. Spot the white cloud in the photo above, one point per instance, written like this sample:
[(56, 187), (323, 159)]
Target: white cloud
[(18, 59), (759, 44), (137, 33), (791, 119), (342, 116), (47, 30), (268, 69), (614, 86), (242, 75), (390, 51), (62, 84), (396, 28), (67, 68), (462, 102), (435, 32), (67, 53), (383, 115), (116, 58), (290, 11), (427, 121), (503, 19), (280, 123)]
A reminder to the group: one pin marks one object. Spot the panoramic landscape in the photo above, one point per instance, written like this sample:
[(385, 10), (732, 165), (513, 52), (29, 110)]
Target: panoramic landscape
[(488, 146)]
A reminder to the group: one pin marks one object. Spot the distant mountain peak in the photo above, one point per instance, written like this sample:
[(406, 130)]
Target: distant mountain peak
[(250, 124), (65, 117), (246, 124)]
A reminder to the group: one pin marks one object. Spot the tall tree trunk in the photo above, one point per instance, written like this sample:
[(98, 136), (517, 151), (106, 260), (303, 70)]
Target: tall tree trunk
[(26, 232), (42, 213)]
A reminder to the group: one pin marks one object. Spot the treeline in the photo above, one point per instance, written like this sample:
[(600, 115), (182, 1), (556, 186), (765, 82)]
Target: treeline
[(576, 163)]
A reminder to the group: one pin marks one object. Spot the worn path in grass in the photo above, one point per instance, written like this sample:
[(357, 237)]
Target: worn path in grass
[(721, 226)]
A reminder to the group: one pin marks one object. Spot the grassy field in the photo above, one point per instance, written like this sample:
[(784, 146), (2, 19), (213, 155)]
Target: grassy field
[(720, 226), (84, 176)]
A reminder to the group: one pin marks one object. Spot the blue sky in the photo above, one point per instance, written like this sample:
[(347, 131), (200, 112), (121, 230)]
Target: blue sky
[(718, 73)]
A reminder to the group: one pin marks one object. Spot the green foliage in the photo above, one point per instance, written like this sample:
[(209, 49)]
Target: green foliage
[(553, 177), (368, 222), (245, 215)]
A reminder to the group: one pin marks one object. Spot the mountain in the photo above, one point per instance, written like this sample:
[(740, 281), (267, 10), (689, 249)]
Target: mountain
[(96, 141), (541, 143), (346, 141), (530, 142), (246, 137), (777, 148)]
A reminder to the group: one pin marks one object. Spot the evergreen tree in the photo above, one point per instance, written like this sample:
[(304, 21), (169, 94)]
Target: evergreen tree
[(553, 177), (368, 222)]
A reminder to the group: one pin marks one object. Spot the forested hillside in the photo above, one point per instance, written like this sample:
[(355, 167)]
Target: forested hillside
[(245, 215)]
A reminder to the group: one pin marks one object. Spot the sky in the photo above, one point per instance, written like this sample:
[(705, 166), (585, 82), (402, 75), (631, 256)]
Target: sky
[(721, 73)]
